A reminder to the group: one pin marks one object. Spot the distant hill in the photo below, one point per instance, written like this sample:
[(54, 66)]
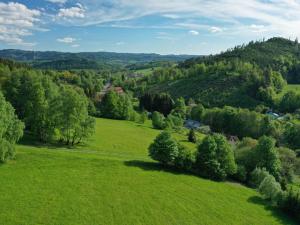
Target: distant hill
[(85, 60)]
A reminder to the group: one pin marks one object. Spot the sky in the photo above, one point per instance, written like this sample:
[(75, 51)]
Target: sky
[(197, 27)]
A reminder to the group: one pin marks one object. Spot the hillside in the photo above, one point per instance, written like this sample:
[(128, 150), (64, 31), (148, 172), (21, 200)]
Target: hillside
[(236, 76), (275, 53), (84, 60), (116, 183)]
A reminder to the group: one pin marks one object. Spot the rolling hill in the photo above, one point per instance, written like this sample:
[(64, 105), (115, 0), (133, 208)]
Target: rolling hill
[(107, 182), (85, 60)]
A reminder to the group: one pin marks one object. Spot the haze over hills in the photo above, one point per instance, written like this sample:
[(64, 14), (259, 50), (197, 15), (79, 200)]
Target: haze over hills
[(85, 60)]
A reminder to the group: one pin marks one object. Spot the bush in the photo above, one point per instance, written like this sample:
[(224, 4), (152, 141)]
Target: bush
[(257, 176), (215, 159), (197, 112), (270, 189), (204, 130), (164, 149), (241, 174), (266, 156), (173, 121), (185, 158), (192, 136), (143, 117), (290, 203), (288, 165), (158, 120)]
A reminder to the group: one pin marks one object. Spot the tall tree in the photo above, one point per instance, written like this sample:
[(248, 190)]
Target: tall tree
[(11, 130), (215, 158), (74, 121)]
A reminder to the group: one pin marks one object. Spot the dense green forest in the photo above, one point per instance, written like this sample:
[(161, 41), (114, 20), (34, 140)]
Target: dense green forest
[(86, 60), (245, 76)]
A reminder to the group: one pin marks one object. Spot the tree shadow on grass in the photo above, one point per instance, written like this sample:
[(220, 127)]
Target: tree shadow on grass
[(29, 140), (153, 166), (279, 215)]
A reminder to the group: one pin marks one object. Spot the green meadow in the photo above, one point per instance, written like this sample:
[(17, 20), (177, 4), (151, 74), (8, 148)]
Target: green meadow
[(111, 180)]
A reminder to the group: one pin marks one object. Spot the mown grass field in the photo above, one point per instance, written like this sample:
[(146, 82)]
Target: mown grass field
[(113, 181)]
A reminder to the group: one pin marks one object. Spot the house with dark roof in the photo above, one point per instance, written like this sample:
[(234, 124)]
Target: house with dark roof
[(192, 124)]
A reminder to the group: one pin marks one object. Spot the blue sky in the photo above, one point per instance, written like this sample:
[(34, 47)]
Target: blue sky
[(158, 26)]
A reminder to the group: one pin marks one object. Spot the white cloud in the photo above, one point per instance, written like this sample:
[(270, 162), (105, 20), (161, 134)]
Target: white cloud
[(258, 28), (66, 40), (16, 22), (171, 16), (58, 1), (77, 11), (281, 17), (75, 46), (215, 29), (194, 32)]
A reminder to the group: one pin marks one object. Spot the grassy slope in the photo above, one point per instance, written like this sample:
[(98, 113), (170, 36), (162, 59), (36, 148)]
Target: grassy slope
[(112, 181)]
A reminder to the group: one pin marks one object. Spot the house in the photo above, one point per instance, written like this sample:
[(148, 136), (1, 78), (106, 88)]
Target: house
[(272, 114), (233, 139), (100, 95), (192, 124), (119, 90)]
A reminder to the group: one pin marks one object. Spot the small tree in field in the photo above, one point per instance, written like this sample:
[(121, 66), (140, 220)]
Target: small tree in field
[(164, 149), (215, 158), (192, 136)]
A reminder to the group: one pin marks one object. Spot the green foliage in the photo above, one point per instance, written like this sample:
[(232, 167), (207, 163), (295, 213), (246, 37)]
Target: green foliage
[(162, 103), (266, 156), (292, 136), (164, 149), (244, 76), (11, 130), (257, 176), (290, 203), (215, 158), (288, 160), (158, 120), (174, 121), (270, 189), (180, 109), (197, 112), (115, 106), (241, 174), (290, 102), (74, 123), (240, 122), (49, 111), (143, 117), (185, 158), (192, 136)]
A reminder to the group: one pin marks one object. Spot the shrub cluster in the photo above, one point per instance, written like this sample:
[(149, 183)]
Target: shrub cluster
[(214, 158)]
